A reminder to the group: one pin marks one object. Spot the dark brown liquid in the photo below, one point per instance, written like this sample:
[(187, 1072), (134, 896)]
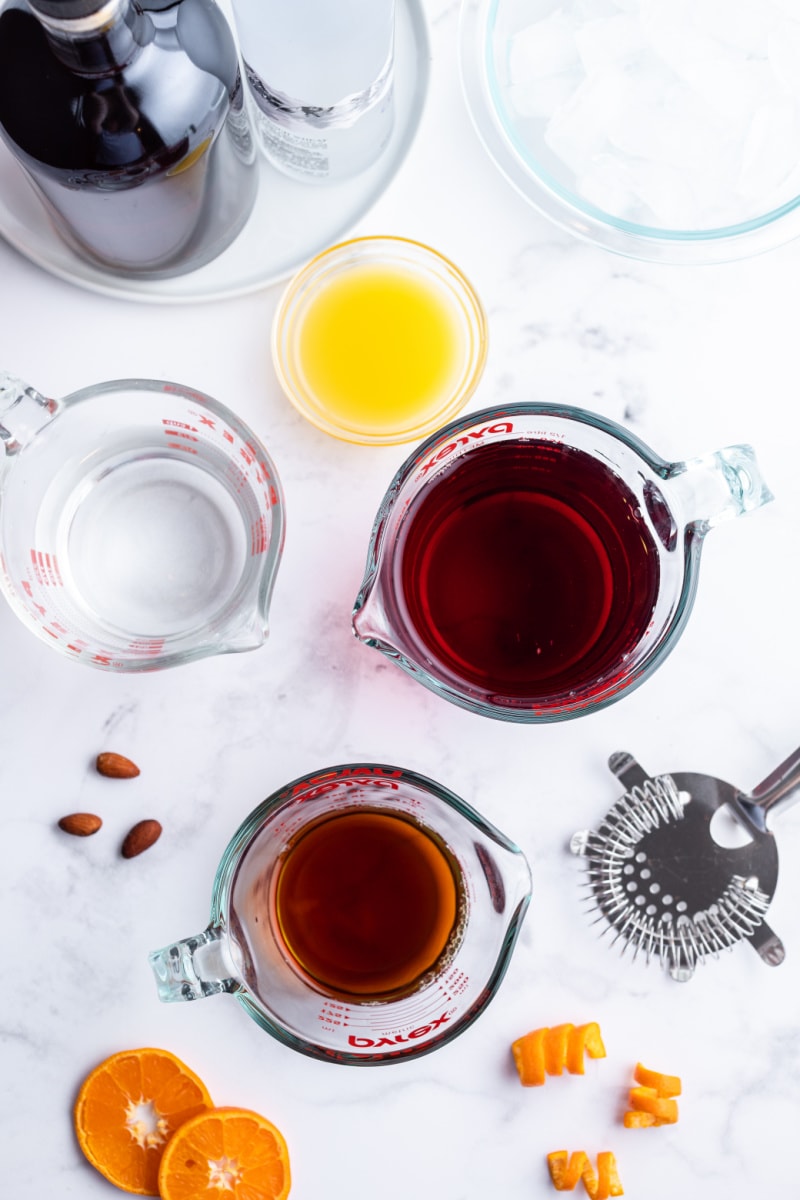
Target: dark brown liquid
[(529, 571), (132, 157), (366, 903)]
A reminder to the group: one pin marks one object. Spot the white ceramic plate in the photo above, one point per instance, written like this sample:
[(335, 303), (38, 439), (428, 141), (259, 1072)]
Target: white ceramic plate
[(291, 221)]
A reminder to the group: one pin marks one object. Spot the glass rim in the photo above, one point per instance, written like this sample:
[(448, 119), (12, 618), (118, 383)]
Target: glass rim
[(565, 207), (520, 709), (410, 253)]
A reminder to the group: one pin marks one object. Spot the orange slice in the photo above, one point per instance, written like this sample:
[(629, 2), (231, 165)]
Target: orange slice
[(128, 1108), (228, 1153)]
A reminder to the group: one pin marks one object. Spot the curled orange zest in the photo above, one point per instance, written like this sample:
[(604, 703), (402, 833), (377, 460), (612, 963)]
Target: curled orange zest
[(665, 1085), (566, 1169), (585, 1039), (545, 1052), (639, 1120), (647, 1100)]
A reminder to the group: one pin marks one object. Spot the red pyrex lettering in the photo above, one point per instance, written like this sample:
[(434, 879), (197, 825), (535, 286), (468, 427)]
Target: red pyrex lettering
[(473, 435), (365, 1043), (330, 778)]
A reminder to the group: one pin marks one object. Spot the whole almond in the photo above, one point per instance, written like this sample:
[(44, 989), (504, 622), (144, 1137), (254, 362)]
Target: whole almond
[(80, 824), (143, 835), (116, 766)]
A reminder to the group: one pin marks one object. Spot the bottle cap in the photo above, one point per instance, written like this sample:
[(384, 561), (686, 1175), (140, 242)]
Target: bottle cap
[(70, 10)]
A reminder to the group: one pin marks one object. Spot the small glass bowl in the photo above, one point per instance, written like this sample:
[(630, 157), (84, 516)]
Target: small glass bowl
[(654, 133), (438, 314)]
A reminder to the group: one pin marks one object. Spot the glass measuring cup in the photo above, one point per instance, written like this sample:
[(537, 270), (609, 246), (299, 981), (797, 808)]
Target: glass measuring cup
[(141, 523), (350, 974), (535, 562)]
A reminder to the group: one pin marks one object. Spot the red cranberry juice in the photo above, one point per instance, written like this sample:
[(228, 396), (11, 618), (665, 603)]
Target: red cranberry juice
[(528, 570)]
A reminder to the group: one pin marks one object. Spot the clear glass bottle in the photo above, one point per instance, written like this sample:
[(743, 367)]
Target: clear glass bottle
[(129, 119), (321, 77)]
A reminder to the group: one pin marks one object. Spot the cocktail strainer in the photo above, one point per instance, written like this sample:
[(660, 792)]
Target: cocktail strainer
[(671, 880)]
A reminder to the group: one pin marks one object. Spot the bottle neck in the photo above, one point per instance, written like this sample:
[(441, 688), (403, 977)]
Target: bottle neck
[(101, 43)]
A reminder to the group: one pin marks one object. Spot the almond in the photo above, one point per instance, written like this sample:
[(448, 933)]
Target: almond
[(116, 766), (80, 824), (143, 835)]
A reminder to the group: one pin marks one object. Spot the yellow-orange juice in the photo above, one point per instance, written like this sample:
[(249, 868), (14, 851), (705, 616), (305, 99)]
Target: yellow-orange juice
[(380, 349)]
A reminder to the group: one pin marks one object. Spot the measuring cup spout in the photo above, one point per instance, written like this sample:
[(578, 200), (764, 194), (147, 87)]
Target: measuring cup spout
[(370, 623), (726, 483), (23, 411), (194, 968)]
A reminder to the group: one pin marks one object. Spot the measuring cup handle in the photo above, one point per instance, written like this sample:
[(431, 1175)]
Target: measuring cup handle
[(718, 486), (23, 411), (780, 790), (195, 967)]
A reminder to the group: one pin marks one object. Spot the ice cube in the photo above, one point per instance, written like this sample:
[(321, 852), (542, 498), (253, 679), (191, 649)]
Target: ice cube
[(606, 185), (544, 48), (666, 196), (771, 152), (610, 41), (741, 24), (734, 89), (577, 132), (540, 98)]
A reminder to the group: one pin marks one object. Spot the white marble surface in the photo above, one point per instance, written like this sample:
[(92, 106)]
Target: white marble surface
[(691, 359)]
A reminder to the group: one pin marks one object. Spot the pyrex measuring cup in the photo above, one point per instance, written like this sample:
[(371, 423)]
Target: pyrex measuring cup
[(535, 562), (141, 523), (363, 914)]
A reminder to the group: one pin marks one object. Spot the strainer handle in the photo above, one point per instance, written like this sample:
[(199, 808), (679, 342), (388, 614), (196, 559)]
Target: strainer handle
[(778, 791)]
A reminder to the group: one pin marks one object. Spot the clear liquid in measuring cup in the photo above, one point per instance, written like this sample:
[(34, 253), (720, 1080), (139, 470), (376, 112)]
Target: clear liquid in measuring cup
[(149, 543)]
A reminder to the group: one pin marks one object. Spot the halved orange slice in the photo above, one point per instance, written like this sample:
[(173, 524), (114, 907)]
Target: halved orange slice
[(129, 1107), (226, 1154)]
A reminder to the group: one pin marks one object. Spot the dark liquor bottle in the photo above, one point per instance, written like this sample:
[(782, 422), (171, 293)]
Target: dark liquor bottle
[(128, 117)]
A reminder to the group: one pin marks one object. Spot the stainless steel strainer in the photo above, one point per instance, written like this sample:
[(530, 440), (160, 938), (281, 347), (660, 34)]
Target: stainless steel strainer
[(663, 882)]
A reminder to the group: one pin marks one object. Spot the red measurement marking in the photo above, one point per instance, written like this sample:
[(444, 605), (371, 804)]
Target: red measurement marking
[(148, 648), (181, 446), (226, 433), (258, 536), (102, 658), (207, 421), (180, 433), (177, 424)]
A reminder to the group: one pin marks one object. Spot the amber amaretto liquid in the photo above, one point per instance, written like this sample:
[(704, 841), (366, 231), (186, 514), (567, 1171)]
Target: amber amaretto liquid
[(366, 902)]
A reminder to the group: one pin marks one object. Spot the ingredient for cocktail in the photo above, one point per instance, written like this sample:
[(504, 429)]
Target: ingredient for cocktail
[(141, 837), (545, 1052), (566, 1169), (320, 79), (116, 766), (129, 120), (226, 1152), (80, 824), (379, 340), (653, 1102), (665, 1085), (681, 114), (127, 1109)]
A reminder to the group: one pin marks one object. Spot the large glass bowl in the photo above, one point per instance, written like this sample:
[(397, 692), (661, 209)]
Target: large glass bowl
[(665, 130)]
